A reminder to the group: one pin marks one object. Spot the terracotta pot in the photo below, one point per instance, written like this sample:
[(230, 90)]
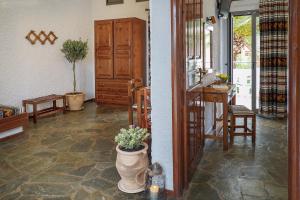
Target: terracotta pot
[(132, 167), (75, 101)]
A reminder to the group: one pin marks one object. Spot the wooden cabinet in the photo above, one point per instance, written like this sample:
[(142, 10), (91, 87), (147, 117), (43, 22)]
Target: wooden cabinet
[(122, 49), (104, 49), (120, 55)]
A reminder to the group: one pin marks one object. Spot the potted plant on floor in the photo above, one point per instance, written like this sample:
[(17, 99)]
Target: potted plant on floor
[(74, 51), (132, 159)]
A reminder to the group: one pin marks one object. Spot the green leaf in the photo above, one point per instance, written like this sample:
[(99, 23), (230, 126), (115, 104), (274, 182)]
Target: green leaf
[(75, 50)]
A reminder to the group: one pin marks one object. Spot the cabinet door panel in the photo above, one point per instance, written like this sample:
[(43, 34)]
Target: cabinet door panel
[(122, 50), (104, 49), (122, 63), (123, 34), (104, 67)]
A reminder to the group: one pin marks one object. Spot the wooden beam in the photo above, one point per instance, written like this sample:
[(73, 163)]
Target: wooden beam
[(294, 100), (178, 91)]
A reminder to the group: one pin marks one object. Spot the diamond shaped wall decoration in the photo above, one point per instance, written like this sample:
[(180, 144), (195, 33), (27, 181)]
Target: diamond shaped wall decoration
[(32, 37), (52, 37)]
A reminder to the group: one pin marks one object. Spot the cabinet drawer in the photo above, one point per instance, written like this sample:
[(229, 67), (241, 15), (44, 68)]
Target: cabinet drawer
[(116, 91), (112, 91), (212, 97), (112, 99), (112, 83)]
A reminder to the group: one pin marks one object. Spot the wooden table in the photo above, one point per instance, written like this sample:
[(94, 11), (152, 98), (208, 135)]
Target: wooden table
[(48, 111), (225, 94)]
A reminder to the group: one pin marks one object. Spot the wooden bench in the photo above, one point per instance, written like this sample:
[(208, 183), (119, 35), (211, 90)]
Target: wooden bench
[(47, 111)]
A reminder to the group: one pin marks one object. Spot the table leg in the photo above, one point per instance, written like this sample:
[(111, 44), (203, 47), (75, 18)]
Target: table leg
[(245, 126), (233, 100), (225, 124), (34, 113), (54, 104), (24, 106), (64, 105), (215, 116), (254, 129), (232, 129)]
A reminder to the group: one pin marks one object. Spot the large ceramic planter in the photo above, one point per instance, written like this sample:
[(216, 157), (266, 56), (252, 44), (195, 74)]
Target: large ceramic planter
[(75, 101), (132, 167)]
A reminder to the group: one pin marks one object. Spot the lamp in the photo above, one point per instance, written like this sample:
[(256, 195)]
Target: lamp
[(155, 186), (211, 19)]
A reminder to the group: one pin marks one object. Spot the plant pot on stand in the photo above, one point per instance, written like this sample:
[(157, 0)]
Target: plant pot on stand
[(132, 159), (132, 167), (75, 50), (75, 100)]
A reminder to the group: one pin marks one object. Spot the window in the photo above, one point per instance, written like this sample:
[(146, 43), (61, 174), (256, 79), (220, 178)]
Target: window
[(113, 2)]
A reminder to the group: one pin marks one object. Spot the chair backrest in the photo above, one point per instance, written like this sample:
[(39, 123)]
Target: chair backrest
[(133, 86), (144, 108), (147, 108)]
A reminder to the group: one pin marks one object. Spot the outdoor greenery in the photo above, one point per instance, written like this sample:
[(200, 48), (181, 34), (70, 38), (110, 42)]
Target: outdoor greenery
[(132, 138), (74, 51), (242, 31)]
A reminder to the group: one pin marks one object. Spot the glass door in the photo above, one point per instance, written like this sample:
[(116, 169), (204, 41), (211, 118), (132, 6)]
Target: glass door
[(245, 58)]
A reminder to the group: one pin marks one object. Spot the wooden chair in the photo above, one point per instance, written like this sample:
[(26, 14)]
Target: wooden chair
[(147, 109), (239, 111), (133, 87), (144, 113), (144, 108)]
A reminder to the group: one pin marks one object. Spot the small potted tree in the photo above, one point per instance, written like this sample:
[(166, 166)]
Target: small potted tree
[(132, 159), (75, 50)]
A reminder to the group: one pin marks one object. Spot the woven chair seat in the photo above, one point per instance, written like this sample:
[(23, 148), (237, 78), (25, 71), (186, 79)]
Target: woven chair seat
[(240, 110)]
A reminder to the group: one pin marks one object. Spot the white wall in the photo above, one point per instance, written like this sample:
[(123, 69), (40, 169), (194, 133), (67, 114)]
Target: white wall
[(210, 10), (224, 45), (244, 5), (130, 8), (161, 90), (34, 70)]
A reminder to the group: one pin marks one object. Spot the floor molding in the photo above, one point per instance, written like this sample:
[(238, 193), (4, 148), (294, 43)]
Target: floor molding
[(89, 100)]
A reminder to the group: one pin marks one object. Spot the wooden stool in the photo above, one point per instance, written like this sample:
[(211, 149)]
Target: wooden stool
[(239, 111)]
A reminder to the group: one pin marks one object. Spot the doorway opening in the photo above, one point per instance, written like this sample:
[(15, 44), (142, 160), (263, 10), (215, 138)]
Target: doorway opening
[(245, 57)]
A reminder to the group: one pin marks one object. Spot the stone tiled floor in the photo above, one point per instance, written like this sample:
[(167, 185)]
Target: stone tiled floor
[(65, 157), (72, 156), (245, 172)]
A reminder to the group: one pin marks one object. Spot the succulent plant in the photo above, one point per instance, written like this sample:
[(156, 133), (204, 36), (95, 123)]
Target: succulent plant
[(131, 139)]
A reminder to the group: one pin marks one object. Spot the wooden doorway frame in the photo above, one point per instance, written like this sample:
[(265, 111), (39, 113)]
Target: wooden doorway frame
[(178, 85), (294, 100), (178, 92), (183, 161)]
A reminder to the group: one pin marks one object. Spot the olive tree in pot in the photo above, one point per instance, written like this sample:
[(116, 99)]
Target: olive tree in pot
[(132, 159), (75, 50)]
